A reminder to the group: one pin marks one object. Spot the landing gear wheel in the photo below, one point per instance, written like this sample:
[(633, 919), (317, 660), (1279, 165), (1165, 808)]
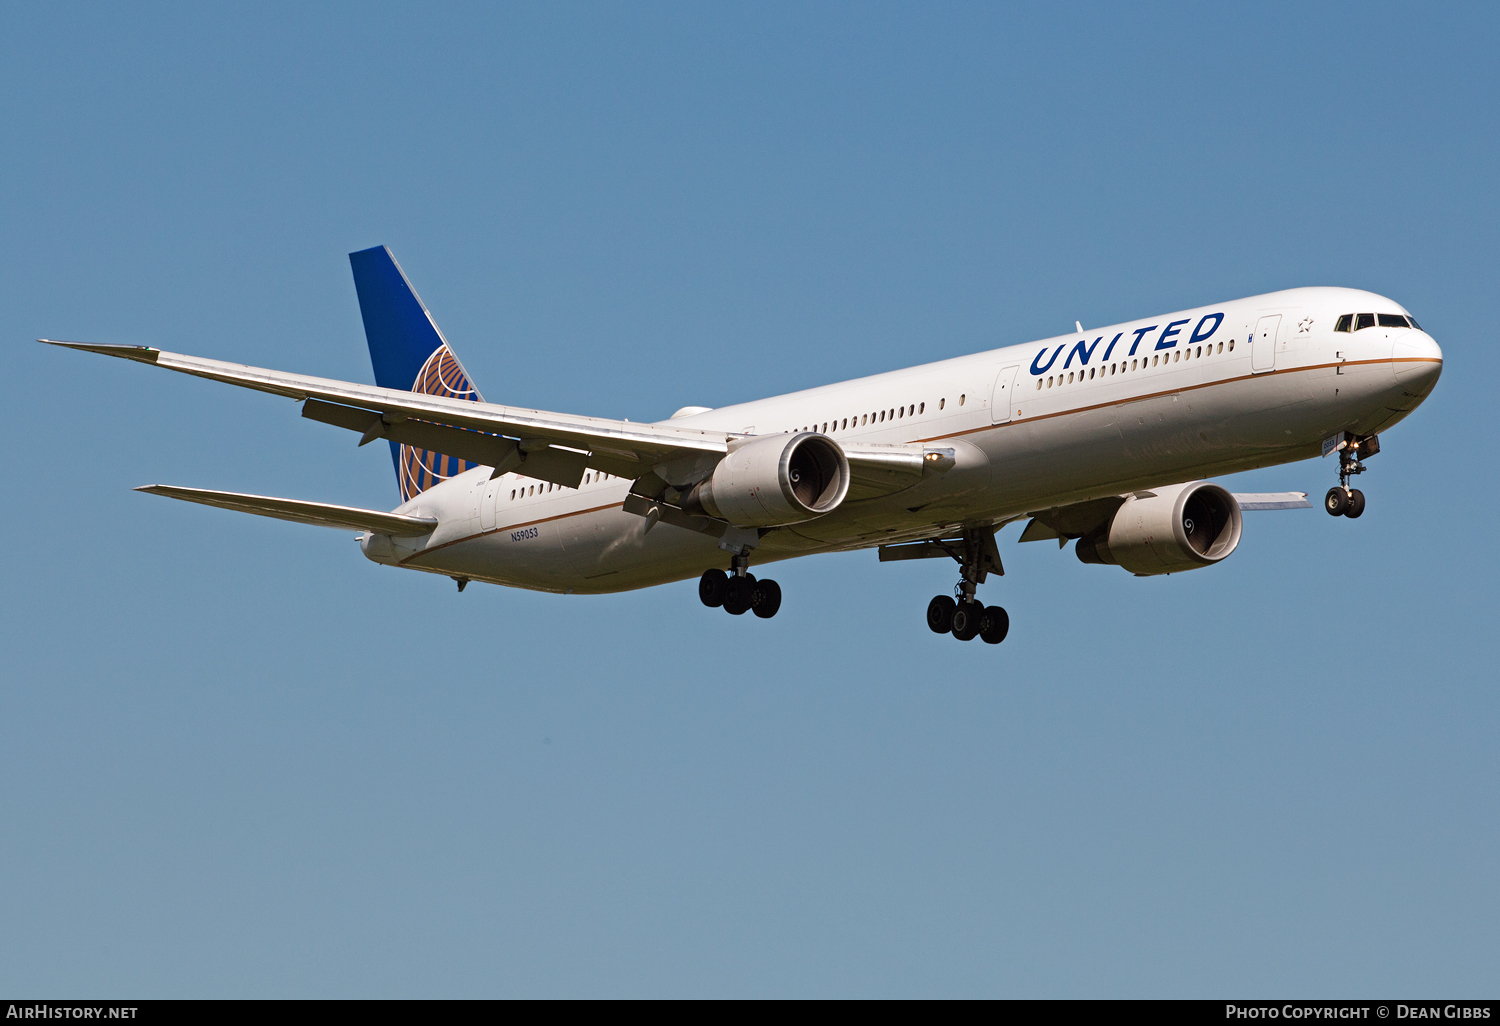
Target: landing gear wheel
[(940, 614), (1336, 502), (765, 598), (966, 620), (739, 593), (711, 587), (1356, 504), (994, 625)]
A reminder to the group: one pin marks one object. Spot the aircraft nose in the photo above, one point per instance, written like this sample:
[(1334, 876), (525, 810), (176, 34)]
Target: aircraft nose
[(1417, 362)]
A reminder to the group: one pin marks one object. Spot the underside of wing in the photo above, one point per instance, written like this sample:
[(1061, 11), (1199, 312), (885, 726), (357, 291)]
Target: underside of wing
[(319, 514)]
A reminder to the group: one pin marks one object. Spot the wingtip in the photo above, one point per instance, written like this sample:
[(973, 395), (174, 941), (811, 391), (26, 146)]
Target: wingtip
[(141, 354)]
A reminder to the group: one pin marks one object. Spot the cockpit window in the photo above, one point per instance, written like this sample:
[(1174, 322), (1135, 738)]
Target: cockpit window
[(1362, 321)]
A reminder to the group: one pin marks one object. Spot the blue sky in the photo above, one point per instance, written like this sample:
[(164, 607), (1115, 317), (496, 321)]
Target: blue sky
[(240, 760)]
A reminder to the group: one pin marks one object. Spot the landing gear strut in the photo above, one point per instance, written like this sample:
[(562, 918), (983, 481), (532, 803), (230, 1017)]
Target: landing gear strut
[(1341, 500), (740, 592), (964, 616)]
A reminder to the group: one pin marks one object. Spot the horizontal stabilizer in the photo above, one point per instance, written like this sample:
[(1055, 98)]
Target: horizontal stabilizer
[(319, 514), (1272, 500)]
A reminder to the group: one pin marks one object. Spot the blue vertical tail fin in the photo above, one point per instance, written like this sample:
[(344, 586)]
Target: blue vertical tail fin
[(410, 353)]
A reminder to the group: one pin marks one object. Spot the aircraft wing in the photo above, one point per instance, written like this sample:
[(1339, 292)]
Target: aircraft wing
[(319, 514), (1272, 500), (1067, 522), (553, 447), (619, 447), (877, 469)]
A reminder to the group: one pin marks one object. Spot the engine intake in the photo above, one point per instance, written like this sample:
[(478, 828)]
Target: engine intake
[(1182, 527), (769, 482)]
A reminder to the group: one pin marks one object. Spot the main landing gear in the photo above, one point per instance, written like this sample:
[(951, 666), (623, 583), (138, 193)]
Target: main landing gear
[(964, 616), (740, 592), (1341, 500)]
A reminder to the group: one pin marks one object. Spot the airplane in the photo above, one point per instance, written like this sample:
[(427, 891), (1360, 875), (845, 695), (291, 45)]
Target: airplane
[(1102, 437)]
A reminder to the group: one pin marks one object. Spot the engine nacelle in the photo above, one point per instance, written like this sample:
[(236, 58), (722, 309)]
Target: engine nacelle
[(773, 481), (1182, 527)]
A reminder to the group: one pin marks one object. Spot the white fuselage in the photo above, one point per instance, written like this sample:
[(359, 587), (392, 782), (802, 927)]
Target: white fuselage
[(1033, 426)]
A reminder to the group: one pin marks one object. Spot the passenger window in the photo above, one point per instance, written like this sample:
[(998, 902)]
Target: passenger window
[(1231, 345), (1038, 384), (1221, 347), (1364, 321), (1392, 321), (1344, 323), (512, 495), (944, 402), (963, 397), (921, 407)]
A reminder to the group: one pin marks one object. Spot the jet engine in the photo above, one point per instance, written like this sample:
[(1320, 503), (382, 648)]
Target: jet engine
[(1167, 530), (768, 482)]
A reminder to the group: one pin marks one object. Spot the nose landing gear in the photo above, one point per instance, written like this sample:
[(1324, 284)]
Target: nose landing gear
[(1341, 500)]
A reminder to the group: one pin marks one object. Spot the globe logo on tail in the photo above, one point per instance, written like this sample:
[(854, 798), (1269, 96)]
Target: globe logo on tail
[(422, 468)]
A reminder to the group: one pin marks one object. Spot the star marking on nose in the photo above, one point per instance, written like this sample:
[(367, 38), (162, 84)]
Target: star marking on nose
[(1304, 325)]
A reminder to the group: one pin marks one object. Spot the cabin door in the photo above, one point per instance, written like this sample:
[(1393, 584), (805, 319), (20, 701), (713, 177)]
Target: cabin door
[(487, 504), (1263, 345), (1000, 398)]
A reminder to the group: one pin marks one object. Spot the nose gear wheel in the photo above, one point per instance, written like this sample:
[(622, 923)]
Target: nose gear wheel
[(1341, 500)]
